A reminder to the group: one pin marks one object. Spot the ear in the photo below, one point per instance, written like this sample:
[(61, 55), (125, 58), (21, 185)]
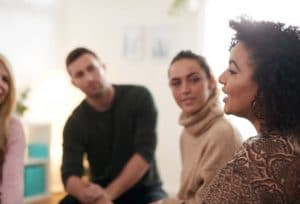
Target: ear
[(73, 82), (102, 68)]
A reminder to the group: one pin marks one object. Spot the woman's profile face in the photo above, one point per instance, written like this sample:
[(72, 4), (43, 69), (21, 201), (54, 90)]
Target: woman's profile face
[(189, 84), (238, 85), (4, 82)]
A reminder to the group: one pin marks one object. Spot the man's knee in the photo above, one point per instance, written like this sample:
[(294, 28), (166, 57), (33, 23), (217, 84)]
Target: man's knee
[(155, 195), (157, 202), (69, 200)]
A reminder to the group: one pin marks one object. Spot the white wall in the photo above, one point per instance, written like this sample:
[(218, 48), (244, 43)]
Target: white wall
[(27, 37)]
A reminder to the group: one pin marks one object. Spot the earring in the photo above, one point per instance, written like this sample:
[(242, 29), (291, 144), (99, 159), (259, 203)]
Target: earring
[(256, 109), (253, 105)]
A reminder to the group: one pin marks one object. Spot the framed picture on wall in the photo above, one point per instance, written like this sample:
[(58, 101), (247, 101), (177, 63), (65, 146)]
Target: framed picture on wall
[(160, 41), (133, 43)]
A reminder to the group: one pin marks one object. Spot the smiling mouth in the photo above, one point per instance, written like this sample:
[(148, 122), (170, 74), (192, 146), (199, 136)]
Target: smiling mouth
[(187, 101)]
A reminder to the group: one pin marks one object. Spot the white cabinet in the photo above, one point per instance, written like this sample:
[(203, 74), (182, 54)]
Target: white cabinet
[(36, 169)]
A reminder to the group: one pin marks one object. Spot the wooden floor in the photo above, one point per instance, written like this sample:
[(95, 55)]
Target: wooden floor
[(53, 199)]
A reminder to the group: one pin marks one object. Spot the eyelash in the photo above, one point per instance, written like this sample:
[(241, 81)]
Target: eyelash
[(231, 71), (5, 79), (78, 75), (194, 80), (175, 83), (191, 80), (91, 68)]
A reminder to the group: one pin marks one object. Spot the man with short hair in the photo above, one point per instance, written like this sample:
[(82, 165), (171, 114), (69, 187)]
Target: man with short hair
[(115, 125)]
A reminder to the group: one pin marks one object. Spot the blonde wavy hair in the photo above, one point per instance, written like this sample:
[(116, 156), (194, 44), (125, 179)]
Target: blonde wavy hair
[(7, 106)]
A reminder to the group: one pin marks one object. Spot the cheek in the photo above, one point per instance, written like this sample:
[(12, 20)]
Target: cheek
[(5, 88), (202, 92), (242, 96), (80, 84), (176, 96), (236, 90), (248, 91)]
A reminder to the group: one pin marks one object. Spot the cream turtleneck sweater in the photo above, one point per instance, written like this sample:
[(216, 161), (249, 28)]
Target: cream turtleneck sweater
[(208, 141)]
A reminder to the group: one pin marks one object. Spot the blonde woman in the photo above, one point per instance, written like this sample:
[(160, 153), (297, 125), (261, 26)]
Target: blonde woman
[(12, 141)]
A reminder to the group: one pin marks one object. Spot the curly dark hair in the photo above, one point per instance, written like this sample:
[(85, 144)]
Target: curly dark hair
[(275, 51), (187, 54)]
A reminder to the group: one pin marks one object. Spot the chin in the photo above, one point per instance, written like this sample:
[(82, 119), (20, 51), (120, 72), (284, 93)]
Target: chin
[(227, 110), (190, 110)]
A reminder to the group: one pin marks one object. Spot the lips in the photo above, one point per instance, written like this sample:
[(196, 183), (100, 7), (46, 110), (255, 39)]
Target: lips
[(223, 89), (93, 85), (225, 99), (188, 101)]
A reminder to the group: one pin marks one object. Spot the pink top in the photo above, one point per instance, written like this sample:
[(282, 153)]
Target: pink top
[(12, 179)]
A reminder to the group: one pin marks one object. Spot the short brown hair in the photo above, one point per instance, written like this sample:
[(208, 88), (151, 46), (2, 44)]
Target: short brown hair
[(78, 52)]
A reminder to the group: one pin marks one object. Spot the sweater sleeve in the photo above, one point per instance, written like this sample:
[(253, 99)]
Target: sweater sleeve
[(73, 150), (12, 179), (145, 133)]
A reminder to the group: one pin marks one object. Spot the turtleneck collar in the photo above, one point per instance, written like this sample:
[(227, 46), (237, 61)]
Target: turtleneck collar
[(196, 123)]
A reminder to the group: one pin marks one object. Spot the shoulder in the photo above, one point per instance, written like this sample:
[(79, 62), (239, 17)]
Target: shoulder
[(134, 95), (131, 89), (78, 112), (271, 145), (16, 131), (80, 108), (15, 122), (222, 128), (257, 149), (76, 119)]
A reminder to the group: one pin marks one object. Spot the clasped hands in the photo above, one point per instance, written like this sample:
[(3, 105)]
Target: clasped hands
[(94, 194)]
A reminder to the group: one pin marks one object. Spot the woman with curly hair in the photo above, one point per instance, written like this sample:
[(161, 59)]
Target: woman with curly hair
[(12, 141), (262, 84)]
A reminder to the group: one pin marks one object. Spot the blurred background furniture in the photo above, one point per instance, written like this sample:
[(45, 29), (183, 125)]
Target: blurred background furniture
[(36, 169)]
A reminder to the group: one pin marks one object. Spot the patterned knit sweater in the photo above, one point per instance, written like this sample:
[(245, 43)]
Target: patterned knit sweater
[(265, 170)]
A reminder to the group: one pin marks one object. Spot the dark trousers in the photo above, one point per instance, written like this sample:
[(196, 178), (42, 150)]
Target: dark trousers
[(136, 195)]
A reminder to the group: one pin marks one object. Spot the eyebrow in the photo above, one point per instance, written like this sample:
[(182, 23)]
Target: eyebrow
[(234, 63), (188, 76), (91, 66)]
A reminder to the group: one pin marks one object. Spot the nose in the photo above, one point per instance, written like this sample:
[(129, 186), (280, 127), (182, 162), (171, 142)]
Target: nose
[(185, 88), (222, 78), (89, 77)]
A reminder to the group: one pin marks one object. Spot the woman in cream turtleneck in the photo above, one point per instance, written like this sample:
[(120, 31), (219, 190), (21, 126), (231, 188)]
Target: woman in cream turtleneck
[(208, 141)]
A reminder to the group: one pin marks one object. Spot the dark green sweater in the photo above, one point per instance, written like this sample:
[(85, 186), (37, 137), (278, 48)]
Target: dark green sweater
[(110, 138)]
